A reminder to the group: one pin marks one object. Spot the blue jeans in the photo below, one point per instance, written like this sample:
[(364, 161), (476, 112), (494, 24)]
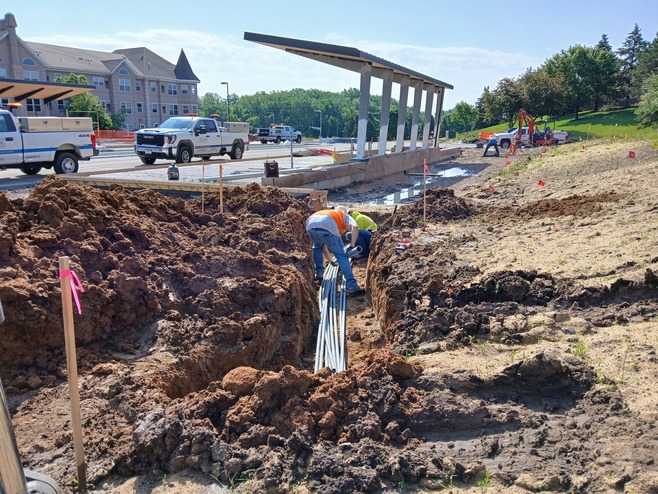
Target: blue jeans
[(334, 243), (491, 145)]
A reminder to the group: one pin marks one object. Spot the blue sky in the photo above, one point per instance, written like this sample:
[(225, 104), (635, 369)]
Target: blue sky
[(469, 44)]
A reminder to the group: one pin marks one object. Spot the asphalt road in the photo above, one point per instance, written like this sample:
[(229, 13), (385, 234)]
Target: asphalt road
[(122, 159)]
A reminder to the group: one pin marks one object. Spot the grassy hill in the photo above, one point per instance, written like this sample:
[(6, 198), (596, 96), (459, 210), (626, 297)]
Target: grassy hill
[(595, 125)]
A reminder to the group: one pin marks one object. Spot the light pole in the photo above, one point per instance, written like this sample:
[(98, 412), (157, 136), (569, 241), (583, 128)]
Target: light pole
[(272, 115), (320, 111), (228, 107)]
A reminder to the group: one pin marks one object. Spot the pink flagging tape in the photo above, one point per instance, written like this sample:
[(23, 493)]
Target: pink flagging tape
[(75, 285)]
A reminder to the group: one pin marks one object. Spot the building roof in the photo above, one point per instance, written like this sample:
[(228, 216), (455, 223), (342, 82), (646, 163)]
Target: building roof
[(344, 57), (183, 69), (20, 89), (141, 61), (150, 64), (73, 59)]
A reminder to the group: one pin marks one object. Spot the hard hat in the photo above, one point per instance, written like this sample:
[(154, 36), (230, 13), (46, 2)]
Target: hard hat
[(341, 208), (355, 214)]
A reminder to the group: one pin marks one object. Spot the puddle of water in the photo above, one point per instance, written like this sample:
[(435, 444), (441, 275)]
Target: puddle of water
[(416, 190), (399, 196), (456, 172)]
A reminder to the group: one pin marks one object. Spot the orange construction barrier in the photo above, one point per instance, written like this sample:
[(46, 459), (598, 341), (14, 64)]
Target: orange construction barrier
[(116, 135)]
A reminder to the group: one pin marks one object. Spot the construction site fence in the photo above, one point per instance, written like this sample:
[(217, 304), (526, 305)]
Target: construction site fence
[(115, 135)]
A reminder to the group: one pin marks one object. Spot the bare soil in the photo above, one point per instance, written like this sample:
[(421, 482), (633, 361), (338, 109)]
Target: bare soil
[(511, 347)]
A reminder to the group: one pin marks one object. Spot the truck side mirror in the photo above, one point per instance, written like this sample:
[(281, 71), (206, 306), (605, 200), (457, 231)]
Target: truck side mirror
[(200, 130)]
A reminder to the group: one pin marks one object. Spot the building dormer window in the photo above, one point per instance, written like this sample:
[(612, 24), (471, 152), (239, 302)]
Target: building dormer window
[(123, 71), (28, 61)]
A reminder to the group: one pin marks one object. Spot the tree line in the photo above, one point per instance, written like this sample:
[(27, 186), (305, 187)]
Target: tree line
[(574, 80), (308, 110)]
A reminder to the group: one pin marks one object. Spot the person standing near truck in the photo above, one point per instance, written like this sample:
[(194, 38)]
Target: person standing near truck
[(492, 141), (326, 228)]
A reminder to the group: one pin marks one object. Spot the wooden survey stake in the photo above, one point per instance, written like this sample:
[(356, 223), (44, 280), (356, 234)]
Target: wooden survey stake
[(72, 368)]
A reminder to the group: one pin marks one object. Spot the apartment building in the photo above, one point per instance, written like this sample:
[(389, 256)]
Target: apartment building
[(148, 88)]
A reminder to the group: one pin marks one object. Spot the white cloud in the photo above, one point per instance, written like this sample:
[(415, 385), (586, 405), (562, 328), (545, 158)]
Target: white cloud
[(251, 67)]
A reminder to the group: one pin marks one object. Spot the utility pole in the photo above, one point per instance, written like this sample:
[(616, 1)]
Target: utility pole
[(320, 128), (228, 108)]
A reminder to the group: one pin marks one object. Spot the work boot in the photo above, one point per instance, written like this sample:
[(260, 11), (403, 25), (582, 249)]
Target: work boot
[(319, 275), (356, 291)]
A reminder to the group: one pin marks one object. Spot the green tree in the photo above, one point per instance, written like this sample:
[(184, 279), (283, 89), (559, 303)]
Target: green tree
[(647, 65), (542, 94), (577, 67), (211, 103), (86, 104), (507, 100), (629, 53), (486, 109), (604, 76), (465, 115), (647, 111), (119, 119), (604, 44)]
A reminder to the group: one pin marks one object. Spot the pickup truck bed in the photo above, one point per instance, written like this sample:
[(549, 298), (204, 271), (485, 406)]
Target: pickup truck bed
[(33, 143)]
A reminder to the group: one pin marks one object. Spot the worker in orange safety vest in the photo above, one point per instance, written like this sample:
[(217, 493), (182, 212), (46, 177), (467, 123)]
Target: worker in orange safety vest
[(326, 229)]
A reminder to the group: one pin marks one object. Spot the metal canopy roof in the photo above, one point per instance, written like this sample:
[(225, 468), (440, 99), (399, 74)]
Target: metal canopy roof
[(20, 89), (343, 57)]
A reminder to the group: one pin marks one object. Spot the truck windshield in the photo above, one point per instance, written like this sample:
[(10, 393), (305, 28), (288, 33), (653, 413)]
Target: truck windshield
[(177, 124)]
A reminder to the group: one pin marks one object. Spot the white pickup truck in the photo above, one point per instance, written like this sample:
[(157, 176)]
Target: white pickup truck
[(182, 138), (33, 143), (505, 139), (279, 133)]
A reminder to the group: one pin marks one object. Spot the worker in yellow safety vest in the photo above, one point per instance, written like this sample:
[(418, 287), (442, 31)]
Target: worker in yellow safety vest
[(363, 221)]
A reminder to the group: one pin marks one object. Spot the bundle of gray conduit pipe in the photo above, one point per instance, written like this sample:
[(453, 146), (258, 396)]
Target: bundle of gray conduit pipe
[(331, 347)]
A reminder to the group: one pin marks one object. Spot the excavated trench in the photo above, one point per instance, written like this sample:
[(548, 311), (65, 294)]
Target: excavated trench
[(196, 324)]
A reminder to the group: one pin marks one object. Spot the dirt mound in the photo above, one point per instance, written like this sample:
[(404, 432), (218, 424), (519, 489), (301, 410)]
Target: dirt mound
[(553, 208), (203, 276), (437, 206), (189, 292)]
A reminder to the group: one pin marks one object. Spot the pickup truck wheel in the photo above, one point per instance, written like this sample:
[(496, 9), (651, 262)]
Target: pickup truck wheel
[(298, 140), (30, 169), (278, 139), (263, 141), (236, 153), (66, 163), (184, 155), (148, 161), (505, 144)]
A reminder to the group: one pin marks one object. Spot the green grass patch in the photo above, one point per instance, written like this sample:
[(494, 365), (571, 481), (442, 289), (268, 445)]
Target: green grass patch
[(593, 125)]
